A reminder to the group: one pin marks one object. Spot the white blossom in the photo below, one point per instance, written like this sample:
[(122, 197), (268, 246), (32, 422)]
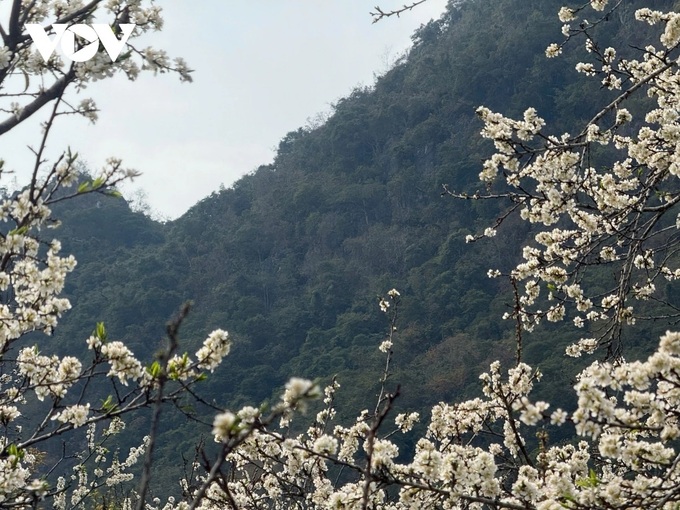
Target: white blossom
[(215, 347), (553, 50), (566, 14)]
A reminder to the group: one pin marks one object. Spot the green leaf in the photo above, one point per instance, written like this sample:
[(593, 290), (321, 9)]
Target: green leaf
[(100, 331), (590, 482), (98, 183), (14, 450), (85, 186), (18, 231), (108, 405), (154, 369), (593, 477), (114, 193)]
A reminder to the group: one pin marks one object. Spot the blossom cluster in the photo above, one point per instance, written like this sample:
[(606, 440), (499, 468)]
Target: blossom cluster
[(596, 213), (20, 59), (473, 454), (38, 402)]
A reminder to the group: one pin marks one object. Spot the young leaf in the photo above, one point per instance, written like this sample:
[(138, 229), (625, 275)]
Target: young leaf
[(109, 406), (100, 331), (154, 369)]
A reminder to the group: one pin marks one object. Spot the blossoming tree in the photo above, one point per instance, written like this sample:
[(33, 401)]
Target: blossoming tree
[(44, 396)]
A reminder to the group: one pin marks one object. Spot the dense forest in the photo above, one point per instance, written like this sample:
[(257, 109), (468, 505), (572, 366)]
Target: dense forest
[(292, 258)]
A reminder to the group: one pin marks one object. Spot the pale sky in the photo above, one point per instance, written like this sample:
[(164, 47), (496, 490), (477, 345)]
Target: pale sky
[(262, 68)]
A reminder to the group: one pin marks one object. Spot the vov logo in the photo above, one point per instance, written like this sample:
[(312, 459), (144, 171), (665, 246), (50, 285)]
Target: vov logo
[(94, 34)]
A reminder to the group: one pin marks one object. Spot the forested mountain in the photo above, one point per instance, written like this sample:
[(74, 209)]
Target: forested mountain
[(291, 259)]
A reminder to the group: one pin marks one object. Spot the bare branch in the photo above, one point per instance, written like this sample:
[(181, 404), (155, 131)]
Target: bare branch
[(380, 14)]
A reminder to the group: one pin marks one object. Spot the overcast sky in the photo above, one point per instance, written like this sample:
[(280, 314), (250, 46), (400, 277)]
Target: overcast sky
[(262, 68)]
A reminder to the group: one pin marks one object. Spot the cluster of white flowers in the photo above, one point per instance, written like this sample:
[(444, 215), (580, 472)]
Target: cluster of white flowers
[(117, 473), (123, 363), (215, 347), (630, 436), (298, 391), (34, 272), (48, 375), (608, 214), (20, 58), (76, 415), (392, 297), (224, 425)]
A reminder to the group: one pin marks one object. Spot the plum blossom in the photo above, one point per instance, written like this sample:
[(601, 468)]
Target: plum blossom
[(215, 347)]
